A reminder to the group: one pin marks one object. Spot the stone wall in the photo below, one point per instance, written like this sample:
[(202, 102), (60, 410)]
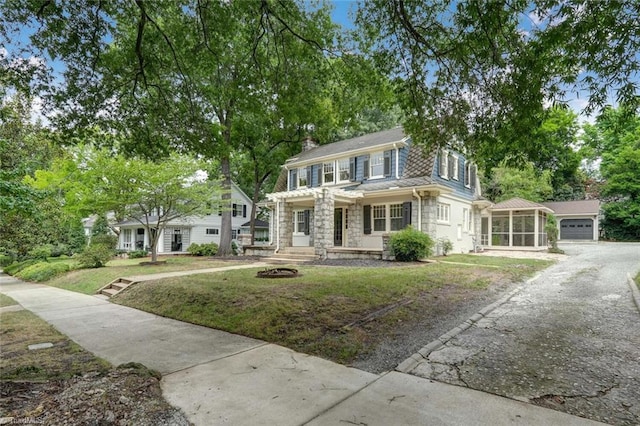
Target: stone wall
[(286, 224), (354, 225), (323, 222)]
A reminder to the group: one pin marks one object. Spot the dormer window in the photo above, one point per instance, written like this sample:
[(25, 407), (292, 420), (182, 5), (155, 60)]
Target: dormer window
[(328, 173), (470, 170), (454, 167), (444, 164)]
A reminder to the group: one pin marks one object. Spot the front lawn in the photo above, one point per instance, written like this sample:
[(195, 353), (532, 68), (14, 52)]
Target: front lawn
[(335, 312), (88, 281)]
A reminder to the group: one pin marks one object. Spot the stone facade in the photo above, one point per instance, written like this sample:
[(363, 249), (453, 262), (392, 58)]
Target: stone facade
[(323, 222), (286, 224), (354, 225)]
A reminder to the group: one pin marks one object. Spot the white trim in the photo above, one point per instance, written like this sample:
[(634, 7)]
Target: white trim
[(337, 170), (371, 165)]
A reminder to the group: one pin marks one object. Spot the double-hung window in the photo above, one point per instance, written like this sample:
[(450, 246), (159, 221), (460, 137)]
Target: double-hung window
[(299, 223), (443, 213), (376, 163), (343, 170), (395, 216), (444, 164), (328, 173), (454, 167), (379, 218), (302, 177)]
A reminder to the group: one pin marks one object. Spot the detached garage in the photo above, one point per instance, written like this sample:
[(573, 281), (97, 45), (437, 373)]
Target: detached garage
[(577, 220), (576, 229)]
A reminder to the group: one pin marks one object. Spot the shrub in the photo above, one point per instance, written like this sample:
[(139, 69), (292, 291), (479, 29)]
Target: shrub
[(209, 249), (94, 256), (59, 250), (40, 252), (5, 260), (108, 240), (410, 245), (14, 268), (42, 271), (137, 254), (446, 245)]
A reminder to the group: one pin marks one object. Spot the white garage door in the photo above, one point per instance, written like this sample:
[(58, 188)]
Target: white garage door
[(576, 229)]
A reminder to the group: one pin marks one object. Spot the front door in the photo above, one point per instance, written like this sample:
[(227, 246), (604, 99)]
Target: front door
[(337, 227), (176, 242)]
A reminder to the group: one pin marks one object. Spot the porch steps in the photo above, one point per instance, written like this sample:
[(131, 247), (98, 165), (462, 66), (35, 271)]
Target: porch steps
[(292, 255), (115, 287)]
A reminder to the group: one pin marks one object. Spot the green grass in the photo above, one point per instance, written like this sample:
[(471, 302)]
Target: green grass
[(88, 281), (309, 313), (6, 301), (65, 359)]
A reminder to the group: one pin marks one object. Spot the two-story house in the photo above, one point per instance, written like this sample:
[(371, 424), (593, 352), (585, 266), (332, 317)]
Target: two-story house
[(342, 198), (179, 234)]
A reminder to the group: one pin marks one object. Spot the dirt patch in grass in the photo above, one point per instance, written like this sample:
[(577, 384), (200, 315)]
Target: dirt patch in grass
[(332, 311), (64, 384)]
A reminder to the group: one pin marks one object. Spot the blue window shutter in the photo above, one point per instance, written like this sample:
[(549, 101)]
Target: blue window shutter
[(387, 163), (234, 209), (352, 169), (319, 173), (306, 221), (293, 184), (309, 174), (366, 167), (406, 214), (244, 210), (366, 211)]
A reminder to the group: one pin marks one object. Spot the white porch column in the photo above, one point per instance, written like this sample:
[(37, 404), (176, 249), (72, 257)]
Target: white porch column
[(536, 227), (510, 228)]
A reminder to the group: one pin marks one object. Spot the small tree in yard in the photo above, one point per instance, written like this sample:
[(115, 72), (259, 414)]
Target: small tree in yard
[(551, 228), (151, 193), (410, 245)]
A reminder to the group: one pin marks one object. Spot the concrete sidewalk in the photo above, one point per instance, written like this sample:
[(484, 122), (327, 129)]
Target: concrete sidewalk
[(221, 378)]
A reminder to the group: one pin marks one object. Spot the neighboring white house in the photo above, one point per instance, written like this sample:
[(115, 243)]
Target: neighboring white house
[(181, 233), (342, 198)]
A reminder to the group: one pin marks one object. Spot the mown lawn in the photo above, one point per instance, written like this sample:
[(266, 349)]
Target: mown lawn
[(328, 311), (88, 281), (6, 301)]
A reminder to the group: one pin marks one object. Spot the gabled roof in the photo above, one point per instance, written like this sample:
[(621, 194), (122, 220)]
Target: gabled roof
[(518, 204), (369, 141), (259, 224), (582, 207)]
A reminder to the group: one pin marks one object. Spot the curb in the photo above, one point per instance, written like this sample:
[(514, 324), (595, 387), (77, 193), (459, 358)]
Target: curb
[(635, 292), (412, 362)]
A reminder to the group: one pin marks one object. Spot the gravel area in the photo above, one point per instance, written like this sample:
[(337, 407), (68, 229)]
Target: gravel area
[(569, 340)]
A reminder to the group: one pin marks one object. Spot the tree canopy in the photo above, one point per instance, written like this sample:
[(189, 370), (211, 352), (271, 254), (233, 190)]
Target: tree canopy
[(481, 72)]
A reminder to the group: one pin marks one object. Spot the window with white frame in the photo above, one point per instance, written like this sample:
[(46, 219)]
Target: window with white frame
[(376, 165), (328, 172), (454, 168), (212, 231), (302, 177), (444, 164), (343, 170), (379, 218), (298, 222), (443, 212), (469, 174), (395, 217)]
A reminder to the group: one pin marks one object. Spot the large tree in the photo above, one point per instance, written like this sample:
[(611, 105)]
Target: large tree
[(183, 75), (613, 143), (481, 72)]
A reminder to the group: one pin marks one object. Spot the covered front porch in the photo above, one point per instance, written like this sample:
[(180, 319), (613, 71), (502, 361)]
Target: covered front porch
[(515, 224), (314, 217)]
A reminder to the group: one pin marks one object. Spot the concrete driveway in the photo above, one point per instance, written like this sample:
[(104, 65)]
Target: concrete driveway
[(569, 340)]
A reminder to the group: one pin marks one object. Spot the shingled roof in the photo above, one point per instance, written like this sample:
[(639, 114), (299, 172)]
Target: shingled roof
[(361, 142), (581, 207), (517, 204)]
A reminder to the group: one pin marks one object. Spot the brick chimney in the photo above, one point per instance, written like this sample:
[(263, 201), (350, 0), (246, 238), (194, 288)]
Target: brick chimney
[(308, 144)]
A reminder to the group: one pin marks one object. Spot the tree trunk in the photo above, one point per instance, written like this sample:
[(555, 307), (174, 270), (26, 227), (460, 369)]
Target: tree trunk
[(153, 243), (224, 248)]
